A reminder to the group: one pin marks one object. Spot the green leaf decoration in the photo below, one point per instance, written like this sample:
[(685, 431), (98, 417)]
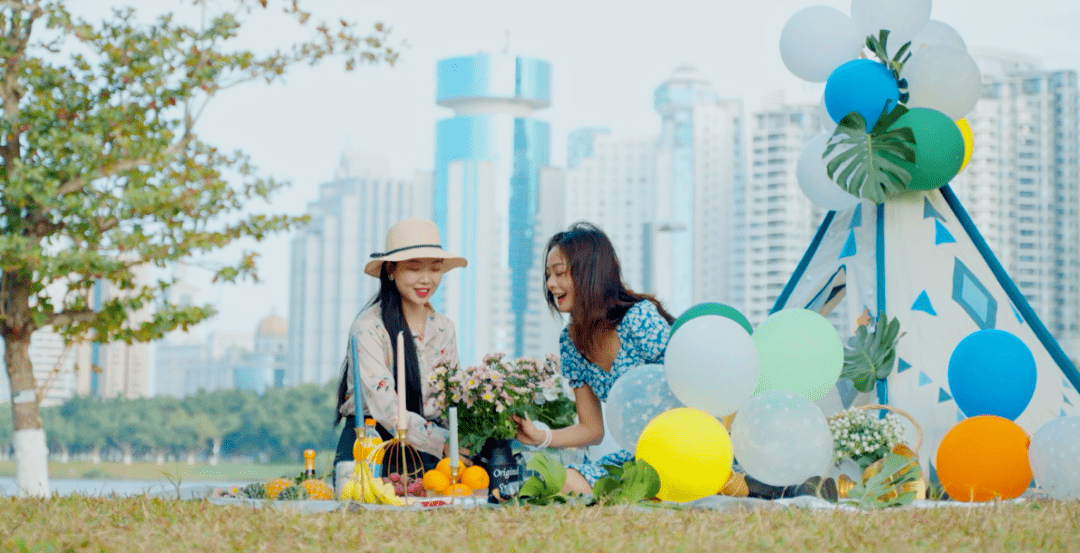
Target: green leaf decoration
[(880, 490), (870, 356), (868, 167), (896, 63), (544, 488), (633, 482)]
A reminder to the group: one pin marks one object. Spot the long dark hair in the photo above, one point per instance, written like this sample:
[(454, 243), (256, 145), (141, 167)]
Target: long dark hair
[(601, 299), (389, 300)]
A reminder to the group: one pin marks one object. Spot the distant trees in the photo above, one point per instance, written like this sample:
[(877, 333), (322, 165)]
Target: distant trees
[(278, 425)]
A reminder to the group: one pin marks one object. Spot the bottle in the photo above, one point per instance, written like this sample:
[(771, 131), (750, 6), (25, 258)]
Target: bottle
[(369, 443), (309, 464)]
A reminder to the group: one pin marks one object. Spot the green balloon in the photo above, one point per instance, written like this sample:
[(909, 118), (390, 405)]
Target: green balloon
[(799, 351), (939, 148), (712, 309)]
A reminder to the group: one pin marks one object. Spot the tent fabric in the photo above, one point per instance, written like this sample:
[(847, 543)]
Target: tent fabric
[(919, 259)]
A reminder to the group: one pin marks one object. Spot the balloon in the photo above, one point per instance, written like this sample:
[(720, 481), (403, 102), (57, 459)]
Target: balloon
[(939, 148), (935, 33), (824, 119), (944, 78), (992, 372), (984, 458), (903, 18), (712, 309), (640, 394), (1055, 457), (781, 438), (969, 141), (691, 452), (813, 177), (711, 364), (864, 86), (799, 351), (817, 40)]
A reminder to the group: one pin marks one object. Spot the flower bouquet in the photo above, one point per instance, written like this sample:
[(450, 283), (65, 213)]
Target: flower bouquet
[(488, 395), (864, 437)]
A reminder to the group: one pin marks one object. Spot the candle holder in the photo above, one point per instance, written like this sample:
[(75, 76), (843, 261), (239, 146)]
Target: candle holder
[(402, 458)]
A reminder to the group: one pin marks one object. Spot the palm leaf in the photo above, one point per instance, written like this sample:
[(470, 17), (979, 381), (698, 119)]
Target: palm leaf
[(869, 167), (881, 489), (870, 356)]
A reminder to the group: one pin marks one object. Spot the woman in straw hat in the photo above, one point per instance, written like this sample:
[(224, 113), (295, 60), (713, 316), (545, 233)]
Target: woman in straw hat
[(612, 329), (409, 271)]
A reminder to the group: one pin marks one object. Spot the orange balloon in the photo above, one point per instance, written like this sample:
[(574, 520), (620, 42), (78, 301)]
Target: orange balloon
[(984, 458)]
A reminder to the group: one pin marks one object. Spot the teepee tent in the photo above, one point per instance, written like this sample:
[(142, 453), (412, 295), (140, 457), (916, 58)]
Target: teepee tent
[(919, 258)]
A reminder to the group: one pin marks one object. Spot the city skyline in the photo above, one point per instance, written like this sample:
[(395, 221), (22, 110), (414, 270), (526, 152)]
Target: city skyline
[(392, 110)]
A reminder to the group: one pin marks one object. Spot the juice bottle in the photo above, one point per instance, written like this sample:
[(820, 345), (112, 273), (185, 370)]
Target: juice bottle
[(366, 444)]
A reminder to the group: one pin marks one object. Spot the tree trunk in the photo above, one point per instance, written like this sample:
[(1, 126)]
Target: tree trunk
[(65, 454), (95, 455), (191, 458), (215, 450), (160, 459), (126, 448), (31, 451)]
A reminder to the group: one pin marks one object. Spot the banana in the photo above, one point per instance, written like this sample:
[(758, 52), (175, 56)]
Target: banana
[(373, 490)]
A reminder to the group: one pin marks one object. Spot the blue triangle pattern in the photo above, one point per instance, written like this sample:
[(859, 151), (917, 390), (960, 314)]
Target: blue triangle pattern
[(928, 210), (1019, 319), (923, 379), (922, 303), (943, 396), (902, 366), (1065, 382), (960, 415), (1066, 398), (856, 217), (942, 234), (1063, 413), (849, 246)]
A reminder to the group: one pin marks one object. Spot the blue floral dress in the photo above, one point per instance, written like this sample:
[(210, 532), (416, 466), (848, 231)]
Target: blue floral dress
[(644, 335)]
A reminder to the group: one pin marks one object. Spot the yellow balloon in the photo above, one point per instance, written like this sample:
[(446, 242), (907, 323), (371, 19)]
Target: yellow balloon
[(969, 141), (690, 450)]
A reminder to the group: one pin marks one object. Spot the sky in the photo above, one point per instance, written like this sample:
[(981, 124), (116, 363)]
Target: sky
[(607, 57)]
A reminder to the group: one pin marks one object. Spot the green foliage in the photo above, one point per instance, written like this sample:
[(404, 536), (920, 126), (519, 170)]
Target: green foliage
[(559, 413), (882, 489), (293, 493), (896, 63), (255, 490), (870, 356), (868, 166), (633, 482), (545, 487)]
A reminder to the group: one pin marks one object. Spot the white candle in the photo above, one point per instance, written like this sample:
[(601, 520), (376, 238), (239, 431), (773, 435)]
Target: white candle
[(401, 381), (453, 437)]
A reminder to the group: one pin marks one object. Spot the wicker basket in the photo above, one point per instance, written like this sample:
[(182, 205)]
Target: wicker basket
[(919, 485)]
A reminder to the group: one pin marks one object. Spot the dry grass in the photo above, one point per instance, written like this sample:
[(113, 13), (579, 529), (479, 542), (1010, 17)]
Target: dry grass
[(81, 524), (154, 471)]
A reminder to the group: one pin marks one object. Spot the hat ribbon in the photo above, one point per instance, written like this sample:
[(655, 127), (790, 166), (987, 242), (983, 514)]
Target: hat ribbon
[(391, 252)]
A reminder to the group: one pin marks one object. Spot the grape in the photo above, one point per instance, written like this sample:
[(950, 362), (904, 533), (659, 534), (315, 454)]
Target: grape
[(395, 477), (399, 489)]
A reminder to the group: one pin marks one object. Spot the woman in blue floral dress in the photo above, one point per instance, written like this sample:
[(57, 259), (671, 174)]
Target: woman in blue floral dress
[(611, 330)]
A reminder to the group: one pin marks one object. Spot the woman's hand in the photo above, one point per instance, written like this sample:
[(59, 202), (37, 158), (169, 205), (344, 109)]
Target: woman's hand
[(463, 454), (528, 433)]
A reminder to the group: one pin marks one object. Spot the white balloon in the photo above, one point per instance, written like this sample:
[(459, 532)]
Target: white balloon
[(935, 33), (824, 119), (817, 40), (711, 364), (1054, 455), (903, 18), (943, 78), (638, 396), (813, 177), (781, 438)]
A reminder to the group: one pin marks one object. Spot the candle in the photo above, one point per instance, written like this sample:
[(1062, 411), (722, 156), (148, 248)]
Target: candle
[(401, 381), (358, 398), (453, 438)]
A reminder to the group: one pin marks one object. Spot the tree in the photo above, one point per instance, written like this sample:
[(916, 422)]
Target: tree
[(102, 172)]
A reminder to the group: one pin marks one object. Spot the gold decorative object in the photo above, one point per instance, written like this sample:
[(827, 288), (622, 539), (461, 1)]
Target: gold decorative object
[(843, 486), (919, 484), (735, 486)]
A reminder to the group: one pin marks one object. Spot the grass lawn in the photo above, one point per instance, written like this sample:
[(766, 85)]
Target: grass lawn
[(80, 524), (153, 471)]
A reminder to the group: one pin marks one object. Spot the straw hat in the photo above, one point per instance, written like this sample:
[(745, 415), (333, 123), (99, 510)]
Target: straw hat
[(413, 239)]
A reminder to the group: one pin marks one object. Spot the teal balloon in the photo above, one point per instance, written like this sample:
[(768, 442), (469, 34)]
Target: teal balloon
[(939, 148), (712, 309), (798, 351)]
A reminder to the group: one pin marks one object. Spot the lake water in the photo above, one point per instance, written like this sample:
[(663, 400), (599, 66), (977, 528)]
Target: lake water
[(106, 488)]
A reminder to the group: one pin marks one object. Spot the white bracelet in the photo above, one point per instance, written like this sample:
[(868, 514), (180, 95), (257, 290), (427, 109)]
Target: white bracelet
[(547, 440)]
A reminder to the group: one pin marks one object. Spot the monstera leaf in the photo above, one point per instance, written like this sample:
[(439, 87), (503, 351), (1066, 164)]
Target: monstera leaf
[(896, 64), (868, 165), (870, 356), (886, 487)]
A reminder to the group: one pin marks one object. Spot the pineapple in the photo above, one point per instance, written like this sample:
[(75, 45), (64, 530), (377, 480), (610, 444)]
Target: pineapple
[(317, 489), (293, 492), (275, 486)]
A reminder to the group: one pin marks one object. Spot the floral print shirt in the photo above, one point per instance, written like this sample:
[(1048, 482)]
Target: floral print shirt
[(643, 334), (377, 371)]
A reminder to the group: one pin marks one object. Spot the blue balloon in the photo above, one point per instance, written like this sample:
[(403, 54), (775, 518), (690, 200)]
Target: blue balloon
[(863, 86), (638, 396), (992, 372)]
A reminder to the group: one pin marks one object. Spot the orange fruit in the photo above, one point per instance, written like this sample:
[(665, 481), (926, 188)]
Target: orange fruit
[(475, 477), (458, 490), (436, 481), (444, 467)]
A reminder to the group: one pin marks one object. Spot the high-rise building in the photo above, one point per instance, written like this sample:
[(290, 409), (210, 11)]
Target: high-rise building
[(327, 284), (116, 369), (488, 157), (611, 186), (773, 221), (698, 166), (1022, 184), (542, 326), (53, 364)]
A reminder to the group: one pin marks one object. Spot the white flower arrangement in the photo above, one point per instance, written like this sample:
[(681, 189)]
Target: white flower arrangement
[(864, 436)]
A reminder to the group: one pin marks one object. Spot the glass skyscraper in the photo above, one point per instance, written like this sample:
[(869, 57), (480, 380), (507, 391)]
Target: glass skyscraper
[(487, 161)]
